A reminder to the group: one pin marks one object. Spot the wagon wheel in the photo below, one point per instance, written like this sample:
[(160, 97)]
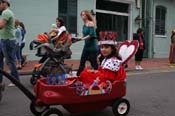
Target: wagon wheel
[(121, 107), (35, 76), (33, 80), (52, 112), (38, 110)]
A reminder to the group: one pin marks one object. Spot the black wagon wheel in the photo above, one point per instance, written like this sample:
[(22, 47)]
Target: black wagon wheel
[(121, 107), (35, 76), (37, 110), (33, 80), (52, 112)]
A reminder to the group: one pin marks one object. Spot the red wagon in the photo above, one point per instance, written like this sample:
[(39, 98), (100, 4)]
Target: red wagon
[(47, 95), (50, 95)]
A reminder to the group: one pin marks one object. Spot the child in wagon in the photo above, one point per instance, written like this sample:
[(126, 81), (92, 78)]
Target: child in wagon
[(110, 68)]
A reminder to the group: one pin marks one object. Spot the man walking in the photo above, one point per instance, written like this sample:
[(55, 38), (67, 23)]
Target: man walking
[(7, 40)]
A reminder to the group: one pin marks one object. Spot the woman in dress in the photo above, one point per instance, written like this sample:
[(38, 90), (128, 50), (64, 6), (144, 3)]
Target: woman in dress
[(90, 49)]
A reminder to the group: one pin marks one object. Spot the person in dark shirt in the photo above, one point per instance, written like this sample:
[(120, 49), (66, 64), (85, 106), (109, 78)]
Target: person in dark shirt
[(139, 53)]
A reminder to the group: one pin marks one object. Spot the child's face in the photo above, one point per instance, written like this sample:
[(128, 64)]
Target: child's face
[(106, 50)]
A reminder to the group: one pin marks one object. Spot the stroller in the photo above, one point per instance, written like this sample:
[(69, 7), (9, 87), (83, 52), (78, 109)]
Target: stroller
[(52, 57)]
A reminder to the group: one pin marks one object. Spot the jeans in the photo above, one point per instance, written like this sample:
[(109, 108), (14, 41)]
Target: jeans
[(22, 58), (1, 61), (18, 53), (88, 55), (8, 48)]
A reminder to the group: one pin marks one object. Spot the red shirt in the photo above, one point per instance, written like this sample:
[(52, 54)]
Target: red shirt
[(141, 43)]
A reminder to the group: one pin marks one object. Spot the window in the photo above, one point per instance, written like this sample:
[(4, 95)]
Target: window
[(112, 6), (68, 11), (115, 23), (160, 20), (112, 16)]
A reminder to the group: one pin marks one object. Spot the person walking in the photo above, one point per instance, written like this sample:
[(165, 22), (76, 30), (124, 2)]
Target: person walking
[(1, 66), (8, 41), (18, 35), (139, 53), (90, 49), (23, 32), (172, 48)]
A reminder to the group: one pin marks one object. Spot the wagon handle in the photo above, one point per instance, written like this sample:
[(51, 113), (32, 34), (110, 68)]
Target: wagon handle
[(28, 93)]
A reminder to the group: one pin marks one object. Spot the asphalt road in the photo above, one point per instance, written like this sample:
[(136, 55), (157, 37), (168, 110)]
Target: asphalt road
[(149, 95)]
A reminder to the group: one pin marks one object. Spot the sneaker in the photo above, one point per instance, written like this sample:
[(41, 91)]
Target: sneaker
[(140, 68), (11, 85), (137, 67), (23, 64), (19, 67)]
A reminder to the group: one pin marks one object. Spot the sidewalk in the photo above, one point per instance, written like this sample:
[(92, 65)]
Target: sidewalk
[(149, 65)]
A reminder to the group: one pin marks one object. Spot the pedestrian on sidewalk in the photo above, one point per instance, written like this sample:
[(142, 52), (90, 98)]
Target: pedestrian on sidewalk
[(1, 66), (8, 41), (18, 35), (139, 54), (172, 48), (23, 32), (89, 36)]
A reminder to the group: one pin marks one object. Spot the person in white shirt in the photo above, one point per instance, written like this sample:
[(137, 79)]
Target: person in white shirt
[(23, 32), (61, 32)]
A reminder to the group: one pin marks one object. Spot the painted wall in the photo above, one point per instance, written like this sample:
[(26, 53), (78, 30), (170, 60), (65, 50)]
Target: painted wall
[(38, 15), (161, 43)]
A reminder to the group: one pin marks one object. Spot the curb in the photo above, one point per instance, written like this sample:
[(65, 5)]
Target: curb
[(149, 71)]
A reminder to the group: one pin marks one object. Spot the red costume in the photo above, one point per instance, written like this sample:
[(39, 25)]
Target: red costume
[(111, 69)]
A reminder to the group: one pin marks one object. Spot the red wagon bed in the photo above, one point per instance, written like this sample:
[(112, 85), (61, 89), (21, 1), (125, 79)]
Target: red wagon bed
[(67, 97)]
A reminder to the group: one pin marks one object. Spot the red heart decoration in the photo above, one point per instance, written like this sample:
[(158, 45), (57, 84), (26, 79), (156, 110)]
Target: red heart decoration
[(127, 50)]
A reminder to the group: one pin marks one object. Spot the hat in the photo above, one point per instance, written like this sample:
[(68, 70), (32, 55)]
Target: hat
[(107, 37), (107, 42)]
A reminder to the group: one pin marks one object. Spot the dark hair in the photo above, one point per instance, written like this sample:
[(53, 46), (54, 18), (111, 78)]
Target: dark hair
[(60, 20), (114, 52), (22, 26), (139, 30)]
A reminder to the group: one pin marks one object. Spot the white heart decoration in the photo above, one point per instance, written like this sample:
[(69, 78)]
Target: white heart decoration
[(126, 51)]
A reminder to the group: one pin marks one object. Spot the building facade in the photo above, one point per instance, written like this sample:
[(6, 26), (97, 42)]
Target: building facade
[(122, 16), (158, 22)]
